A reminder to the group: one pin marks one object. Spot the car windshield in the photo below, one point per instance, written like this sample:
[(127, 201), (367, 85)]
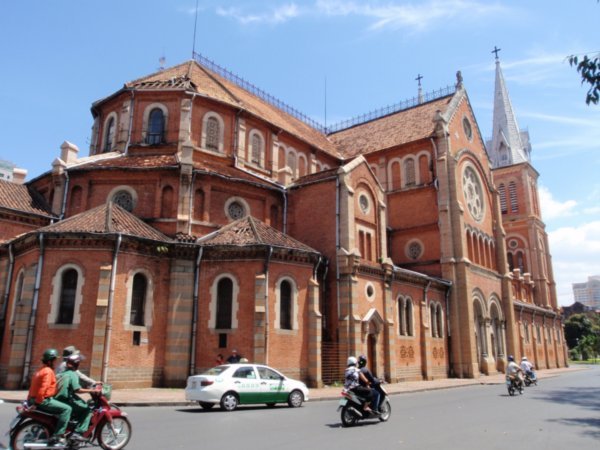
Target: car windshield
[(216, 370)]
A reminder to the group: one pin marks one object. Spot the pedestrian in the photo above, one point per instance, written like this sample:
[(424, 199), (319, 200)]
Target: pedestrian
[(41, 393), (234, 358), (219, 360)]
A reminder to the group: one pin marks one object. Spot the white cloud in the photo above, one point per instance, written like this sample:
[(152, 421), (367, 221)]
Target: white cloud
[(416, 16), (575, 255), (553, 209)]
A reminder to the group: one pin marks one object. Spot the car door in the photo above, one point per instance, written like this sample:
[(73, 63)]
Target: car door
[(246, 383), (273, 385)]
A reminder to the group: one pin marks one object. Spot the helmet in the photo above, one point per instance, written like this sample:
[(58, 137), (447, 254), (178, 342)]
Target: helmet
[(351, 361), (362, 361), (524, 358), (511, 358), (75, 359), (49, 355), (68, 351)]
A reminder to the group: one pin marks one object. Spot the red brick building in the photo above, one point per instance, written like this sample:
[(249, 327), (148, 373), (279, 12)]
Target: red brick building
[(208, 216)]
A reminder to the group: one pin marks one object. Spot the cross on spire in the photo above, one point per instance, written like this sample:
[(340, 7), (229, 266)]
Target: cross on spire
[(496, 50), (419, 78)]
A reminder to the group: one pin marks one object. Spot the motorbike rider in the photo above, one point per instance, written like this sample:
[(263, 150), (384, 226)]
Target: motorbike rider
[(372, 382), (352, 382), (67, 390), (84, 380), (41, 393), (527, 367), (514, 372)]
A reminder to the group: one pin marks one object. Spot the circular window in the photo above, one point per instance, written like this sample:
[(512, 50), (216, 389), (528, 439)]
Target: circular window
[(370, 292), (467, 128), (513, 243), (236, 210), (414, 250), (473, 193), (363, 201), (124, 199)]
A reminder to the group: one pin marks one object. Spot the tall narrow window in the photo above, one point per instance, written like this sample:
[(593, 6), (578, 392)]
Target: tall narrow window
[(224, 304), (440, 321), (138, 300), (409, 172), (511, 263), (68, 290), (409, 317), (432, 320), (256, 150), (109, 135), (512, 191), (285, 305), (502, 192), (401, 317), (212, 134), (156, 127)]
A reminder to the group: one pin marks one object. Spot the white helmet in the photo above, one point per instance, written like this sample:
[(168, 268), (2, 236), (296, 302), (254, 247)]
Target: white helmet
[(352, 361), (524, 358)]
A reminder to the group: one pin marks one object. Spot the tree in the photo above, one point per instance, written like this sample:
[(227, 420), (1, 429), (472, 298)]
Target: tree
[(589, 68), (576, 327)]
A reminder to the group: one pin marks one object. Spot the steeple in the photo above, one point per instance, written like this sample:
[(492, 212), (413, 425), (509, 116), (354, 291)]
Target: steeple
[(508, 145)]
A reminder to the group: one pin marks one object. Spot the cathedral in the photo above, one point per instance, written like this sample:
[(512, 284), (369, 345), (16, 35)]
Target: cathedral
[(209, 216)]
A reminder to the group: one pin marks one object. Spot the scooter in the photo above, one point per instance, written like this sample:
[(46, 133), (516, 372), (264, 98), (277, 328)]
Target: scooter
[(530, 378), (109, 427), (514, 384), (352, 407)]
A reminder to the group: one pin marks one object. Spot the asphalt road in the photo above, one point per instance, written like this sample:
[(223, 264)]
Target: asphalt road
[(562, 412)]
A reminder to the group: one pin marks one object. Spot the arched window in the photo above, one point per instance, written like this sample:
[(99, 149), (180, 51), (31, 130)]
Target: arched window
[(292, 162), (502, 192), (285, 305), (109, 134), (409, 172), (166, 205), (256, 148), (401, 317), (521, 262), (408, 312), (138, 300), (156, 127), (440, 321), (432, 320), (512, 191), (224, 304), (212, 134), (68, 291)]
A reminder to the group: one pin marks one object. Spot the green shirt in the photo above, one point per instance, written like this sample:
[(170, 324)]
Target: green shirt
[(67, 386)]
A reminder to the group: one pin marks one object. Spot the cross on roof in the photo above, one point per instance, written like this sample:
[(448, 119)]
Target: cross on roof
[(496, 50), (419, 78)]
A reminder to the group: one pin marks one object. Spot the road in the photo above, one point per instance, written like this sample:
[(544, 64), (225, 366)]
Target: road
[(562, 412)]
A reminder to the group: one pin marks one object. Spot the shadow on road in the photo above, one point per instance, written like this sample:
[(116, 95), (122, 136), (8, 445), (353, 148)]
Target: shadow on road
[(586, 397), (592, 425)]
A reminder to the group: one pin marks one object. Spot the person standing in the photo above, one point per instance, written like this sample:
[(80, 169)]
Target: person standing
[(41, 393), (234, 358)]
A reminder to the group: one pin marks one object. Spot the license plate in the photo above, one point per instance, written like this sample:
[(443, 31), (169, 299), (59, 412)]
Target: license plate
[(343, 401)]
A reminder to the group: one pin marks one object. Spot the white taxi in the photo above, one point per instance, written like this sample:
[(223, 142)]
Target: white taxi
[(231, 385)]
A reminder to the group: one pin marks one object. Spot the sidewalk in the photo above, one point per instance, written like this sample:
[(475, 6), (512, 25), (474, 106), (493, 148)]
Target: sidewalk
[(176, 397)]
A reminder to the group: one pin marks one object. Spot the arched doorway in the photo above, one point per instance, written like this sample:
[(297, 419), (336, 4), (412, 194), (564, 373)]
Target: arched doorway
[(372, 329), (480, 336)]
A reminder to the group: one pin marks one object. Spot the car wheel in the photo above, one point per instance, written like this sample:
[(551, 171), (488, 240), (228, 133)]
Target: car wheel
[(229, 401), (295, 399), (206, 405)]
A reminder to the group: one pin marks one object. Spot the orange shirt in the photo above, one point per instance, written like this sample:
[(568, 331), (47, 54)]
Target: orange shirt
[(43, 384)]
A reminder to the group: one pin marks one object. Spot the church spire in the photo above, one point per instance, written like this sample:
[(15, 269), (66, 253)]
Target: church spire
[(508, 145)]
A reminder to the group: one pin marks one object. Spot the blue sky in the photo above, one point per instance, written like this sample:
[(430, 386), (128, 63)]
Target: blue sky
[(60, 56)]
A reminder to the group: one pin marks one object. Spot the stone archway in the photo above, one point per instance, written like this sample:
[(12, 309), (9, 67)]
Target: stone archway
[(372, 324)]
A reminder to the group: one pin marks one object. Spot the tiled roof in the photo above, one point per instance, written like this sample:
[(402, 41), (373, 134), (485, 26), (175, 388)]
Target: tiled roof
[(217, 87), (132, 162), (231, 172), (22, 198), (250, 231), (107, 218), (396, 129), (315, 177)]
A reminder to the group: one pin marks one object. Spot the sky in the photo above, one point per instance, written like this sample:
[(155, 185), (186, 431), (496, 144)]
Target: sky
[(332, 60)]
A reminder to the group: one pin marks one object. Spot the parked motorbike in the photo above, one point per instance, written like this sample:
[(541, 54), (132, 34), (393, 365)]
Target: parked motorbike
[(530, 378), (514, 384), (352, 407), (109, 427)]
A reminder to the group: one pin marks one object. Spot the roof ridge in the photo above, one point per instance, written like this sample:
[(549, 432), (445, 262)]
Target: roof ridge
[(210, 74)]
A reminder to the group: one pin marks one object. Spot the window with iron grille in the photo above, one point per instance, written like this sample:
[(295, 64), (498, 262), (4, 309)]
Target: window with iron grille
[(502, 192), (109, 135), (156, 127), (212, 133), (409, 171), (512, 191)]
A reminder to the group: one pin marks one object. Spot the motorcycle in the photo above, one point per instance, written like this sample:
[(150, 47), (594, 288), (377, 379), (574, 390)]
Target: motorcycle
[(514, 384), (352, 407), (109, 427), (530, 378)]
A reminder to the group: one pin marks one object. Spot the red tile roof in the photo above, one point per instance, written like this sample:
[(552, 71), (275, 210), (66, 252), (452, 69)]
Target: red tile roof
[(250, 231), (396, 129), (131, 162), (107, 218), (22, 198)]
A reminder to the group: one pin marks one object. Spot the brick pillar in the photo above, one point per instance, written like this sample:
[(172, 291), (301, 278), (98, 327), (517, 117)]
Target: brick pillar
[(314, 336), (123, 127), (179, 324), (100, 323), (185, 188), (260, 321)]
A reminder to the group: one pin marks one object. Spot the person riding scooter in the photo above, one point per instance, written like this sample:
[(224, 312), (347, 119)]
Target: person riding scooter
[(514, 372), (352, 382), (372, 382), (527, 367)]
